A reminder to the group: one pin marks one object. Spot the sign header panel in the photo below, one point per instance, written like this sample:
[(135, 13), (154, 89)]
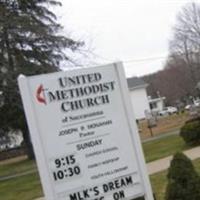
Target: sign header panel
[(82, 135)]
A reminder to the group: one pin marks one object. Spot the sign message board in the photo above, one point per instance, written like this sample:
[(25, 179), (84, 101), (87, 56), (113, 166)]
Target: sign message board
[(84, 135)]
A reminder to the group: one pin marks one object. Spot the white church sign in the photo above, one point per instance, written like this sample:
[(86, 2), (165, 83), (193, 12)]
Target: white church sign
[(84, 135)]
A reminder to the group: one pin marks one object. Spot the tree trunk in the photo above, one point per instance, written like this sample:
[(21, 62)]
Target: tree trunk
[(28, 144)]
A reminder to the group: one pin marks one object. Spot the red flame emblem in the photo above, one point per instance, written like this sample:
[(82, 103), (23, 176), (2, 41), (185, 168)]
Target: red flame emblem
[(40, 95)]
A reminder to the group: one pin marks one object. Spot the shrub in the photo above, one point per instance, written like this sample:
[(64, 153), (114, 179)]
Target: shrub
[(190, 132), (183, 180)]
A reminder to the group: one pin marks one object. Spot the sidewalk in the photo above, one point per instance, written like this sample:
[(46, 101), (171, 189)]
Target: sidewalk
[(164, 163)]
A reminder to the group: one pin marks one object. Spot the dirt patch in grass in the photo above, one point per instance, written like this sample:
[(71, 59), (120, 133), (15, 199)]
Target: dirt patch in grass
[(165, 124)]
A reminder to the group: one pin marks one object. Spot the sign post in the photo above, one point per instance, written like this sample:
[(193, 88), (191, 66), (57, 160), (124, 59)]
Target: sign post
[(84, 135)]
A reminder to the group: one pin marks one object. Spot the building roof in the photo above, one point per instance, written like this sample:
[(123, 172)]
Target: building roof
[(156, 99), (135, 83)]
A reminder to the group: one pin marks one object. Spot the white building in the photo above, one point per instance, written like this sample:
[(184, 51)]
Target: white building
[(139, 98), (156, 104)]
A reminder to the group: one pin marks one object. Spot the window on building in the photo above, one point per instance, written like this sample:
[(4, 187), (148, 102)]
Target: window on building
[(153, 105)]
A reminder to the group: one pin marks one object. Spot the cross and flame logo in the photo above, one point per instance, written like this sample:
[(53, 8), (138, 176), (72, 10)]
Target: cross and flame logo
[(40, 95)]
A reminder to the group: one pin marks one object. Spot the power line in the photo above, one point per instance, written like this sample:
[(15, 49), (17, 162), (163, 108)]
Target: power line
[(144, 59), (106, 60), (133, 60)]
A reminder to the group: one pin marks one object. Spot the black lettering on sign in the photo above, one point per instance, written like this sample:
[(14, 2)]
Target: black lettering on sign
[(89, 144), (86, 194), (118, 195), (78, 80), (79, 195), (117, 184)]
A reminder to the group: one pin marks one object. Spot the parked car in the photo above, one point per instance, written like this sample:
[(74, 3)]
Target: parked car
[(187, 107), (168, 111), (197, 102), (191, 106)]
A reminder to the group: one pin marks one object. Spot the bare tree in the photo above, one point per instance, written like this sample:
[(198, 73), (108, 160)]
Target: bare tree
[(185, 43), (177, 81)]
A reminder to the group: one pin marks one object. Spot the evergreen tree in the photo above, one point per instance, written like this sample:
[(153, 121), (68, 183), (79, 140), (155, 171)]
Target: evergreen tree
[(183, 180), (30, 43)]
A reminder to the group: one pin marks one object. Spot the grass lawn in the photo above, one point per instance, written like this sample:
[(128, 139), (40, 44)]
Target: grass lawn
[(163, 147), (22, 188), (17, 167), (28, 187), (159, 181)]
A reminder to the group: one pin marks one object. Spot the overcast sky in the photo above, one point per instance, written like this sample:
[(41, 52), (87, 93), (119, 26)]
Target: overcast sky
[(133, 31)]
